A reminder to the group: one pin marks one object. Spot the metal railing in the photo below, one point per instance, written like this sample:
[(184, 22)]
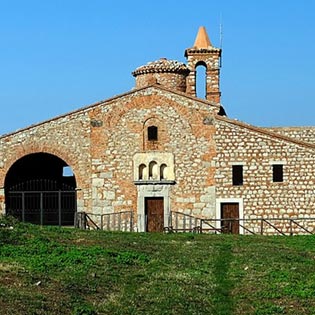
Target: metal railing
[(262, 226), (181, 222), (114, 221)]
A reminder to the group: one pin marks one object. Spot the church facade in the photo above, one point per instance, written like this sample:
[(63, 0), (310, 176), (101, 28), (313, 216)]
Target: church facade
[(157, 151)]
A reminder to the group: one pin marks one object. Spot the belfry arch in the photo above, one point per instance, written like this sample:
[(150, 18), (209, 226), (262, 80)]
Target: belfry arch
[(40, 188), (204, 53), (201, 79)]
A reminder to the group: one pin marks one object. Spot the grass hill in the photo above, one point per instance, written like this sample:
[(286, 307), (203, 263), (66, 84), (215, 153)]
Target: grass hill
[(48, 270)]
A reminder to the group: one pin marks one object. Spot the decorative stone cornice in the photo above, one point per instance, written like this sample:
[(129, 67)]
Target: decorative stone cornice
[(190, 51)]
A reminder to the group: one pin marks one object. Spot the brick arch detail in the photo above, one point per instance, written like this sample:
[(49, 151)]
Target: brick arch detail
[(201, 63), (163, 135), (150, 101), (31, 149)]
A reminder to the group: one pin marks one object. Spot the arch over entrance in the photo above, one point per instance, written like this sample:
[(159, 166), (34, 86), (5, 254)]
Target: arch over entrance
[(40, 188)]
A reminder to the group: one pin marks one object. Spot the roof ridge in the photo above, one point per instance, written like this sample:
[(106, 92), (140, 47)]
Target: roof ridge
[(163, 87), (106, 101), (266, 132)]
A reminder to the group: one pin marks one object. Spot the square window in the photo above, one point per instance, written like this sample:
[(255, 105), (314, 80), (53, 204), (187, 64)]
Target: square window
[(237, 175), (277, 173)]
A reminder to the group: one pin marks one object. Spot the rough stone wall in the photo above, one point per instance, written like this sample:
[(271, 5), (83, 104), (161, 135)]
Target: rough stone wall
[(99, 143), (257, 151), (66, 137), (122, 135), (306, 134), (170, 80), (211, 61)]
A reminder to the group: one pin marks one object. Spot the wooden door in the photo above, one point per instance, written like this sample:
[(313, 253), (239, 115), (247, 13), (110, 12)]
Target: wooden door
[(230, 211), (154, 210)]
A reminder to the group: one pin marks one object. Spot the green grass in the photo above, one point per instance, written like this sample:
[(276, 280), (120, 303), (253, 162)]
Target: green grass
[(47, 270)]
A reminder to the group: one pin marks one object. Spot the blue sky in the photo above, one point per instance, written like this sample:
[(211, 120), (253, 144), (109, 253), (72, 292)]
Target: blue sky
[(57, 56)]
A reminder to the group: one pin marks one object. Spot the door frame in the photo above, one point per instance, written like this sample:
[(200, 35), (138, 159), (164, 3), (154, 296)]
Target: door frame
[(240, 202), (152, 190), (148, 216)]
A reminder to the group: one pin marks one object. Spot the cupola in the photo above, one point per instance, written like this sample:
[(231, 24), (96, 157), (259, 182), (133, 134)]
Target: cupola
[(169, 73)]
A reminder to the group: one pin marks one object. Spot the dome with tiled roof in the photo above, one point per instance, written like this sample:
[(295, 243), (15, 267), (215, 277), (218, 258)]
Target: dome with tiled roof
[(162, 65), (169, 73)]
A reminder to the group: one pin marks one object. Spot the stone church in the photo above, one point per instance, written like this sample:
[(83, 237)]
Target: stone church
[(159, 158)]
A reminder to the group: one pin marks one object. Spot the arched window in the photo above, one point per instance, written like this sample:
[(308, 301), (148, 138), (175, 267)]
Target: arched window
[(163, 175), (153, 170), (201, 80), (142, 172), (152, 133)]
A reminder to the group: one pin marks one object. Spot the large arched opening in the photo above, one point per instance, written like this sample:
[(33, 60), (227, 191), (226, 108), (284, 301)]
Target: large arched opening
[(40, 188)]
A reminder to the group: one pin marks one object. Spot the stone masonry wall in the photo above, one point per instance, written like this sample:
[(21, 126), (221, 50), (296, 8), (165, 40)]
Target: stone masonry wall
[(237, 143), (66, 137), (306, 134), (99, 143), (211, 60), (122, 135), (171, 80)]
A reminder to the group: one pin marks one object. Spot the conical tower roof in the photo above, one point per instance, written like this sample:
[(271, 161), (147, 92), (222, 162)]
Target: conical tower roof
[(202, 39)]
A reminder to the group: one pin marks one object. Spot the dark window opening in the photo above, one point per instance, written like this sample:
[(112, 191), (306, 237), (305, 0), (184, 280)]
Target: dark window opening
[(237, 175), (277, 173), (152, 133)]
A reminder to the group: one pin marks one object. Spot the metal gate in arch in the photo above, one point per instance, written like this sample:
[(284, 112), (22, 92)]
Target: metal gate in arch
[(42, 201)]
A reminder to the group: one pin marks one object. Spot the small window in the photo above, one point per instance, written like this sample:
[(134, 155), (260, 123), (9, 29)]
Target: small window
[(237, 175), (152, 133), (277, 173)]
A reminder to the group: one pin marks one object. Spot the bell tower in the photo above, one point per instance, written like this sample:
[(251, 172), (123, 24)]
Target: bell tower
[(203, 53)]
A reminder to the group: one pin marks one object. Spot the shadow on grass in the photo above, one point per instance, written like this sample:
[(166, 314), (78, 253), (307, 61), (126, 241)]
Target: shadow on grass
[(223, 301)]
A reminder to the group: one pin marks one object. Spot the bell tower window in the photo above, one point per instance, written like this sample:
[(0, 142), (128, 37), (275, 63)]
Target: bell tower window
[(201, 80), (152, 133)]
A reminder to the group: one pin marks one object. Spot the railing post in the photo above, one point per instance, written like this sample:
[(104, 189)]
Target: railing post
[(176, 221), (119, 221), (262, 226), (41, 209), (131, 221), (108, 222), (169, 223), (75, 202), (23, 206), (59, 207), (102, 221), (291, 228)]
